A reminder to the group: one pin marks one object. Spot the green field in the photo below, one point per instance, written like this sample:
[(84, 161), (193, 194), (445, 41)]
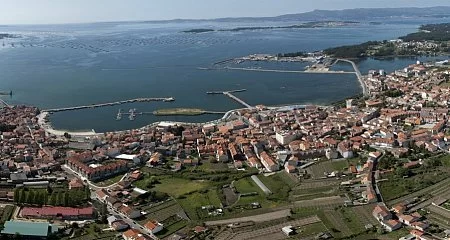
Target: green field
[(246, 185), (280, 189), (193, 202)]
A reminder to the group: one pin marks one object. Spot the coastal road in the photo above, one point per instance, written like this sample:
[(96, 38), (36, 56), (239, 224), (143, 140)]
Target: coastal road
[(358, 75)]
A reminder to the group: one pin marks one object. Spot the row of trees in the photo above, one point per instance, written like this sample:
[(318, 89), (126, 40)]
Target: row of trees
[(54, 198)]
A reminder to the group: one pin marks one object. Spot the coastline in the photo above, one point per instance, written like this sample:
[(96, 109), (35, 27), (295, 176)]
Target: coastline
[(46, 124)]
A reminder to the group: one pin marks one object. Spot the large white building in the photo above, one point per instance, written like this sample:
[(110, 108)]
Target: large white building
[(285, 137)]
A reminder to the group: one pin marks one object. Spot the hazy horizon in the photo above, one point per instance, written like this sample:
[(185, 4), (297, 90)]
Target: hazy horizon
[(85, 11)]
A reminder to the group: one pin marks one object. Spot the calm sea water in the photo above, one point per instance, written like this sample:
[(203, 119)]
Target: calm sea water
[(69, 65)]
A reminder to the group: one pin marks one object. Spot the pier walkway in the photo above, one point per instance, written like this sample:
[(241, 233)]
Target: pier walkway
[(169, 99), (237, 99), (5, 103), (358, 75)]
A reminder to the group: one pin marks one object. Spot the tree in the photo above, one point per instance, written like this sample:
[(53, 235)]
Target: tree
[(22, 196), (67, 135), (87, 193), (403, 172), (17, 193), (53, 199)]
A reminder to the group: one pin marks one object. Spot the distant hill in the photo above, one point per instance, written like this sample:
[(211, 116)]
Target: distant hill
[(368, 14), (357, 14)]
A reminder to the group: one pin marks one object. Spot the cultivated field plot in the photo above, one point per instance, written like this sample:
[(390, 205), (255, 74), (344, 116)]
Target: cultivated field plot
[(164, 211), (431, 190), (337, 220), (311, 193), (5, 213), (440, 211), (308, 184), (255, 218), (317, 170), (323, 202), (365, 214), (438, 216), (269, 231)]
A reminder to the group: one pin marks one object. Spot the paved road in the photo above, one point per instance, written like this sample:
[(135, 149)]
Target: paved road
[(92, 185), (255, 218), (133, 224)]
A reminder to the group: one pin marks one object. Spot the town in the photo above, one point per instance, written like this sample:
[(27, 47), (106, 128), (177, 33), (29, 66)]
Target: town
[(376, 164)]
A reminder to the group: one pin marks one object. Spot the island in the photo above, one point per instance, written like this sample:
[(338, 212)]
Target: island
[(199, 30), (7, 35)]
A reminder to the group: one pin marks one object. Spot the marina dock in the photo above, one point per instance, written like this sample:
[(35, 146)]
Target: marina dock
[(169, 99), (240, 101)]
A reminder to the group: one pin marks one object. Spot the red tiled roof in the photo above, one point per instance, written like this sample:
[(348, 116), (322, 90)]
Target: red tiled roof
[(56, 212)]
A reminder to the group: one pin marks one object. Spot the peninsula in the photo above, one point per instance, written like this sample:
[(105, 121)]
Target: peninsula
[(318, 24), (431, 39)]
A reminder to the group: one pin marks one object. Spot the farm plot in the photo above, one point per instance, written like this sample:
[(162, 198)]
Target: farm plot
[(323, 202), (164, 211)]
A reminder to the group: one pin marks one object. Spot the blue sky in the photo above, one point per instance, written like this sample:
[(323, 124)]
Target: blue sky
[(73, 11)]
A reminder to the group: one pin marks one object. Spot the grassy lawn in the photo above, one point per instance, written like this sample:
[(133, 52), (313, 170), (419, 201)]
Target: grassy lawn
[(396, 187), (246, 185)]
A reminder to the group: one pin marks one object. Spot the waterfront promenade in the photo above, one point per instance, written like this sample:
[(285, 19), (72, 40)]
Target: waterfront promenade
[(286, 71)]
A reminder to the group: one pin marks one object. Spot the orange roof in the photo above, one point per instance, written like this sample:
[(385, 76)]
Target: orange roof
[(152, 224)]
